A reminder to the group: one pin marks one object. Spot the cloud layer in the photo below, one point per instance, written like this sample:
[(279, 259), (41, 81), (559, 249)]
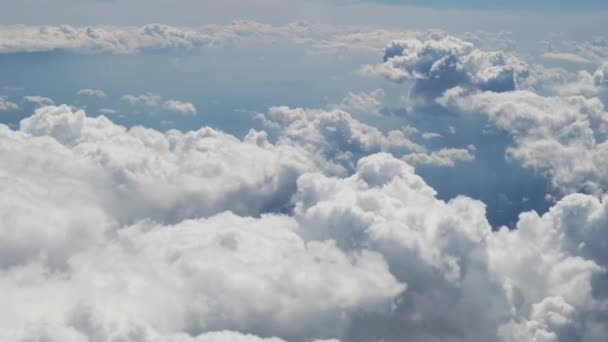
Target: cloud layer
[(132, 234)]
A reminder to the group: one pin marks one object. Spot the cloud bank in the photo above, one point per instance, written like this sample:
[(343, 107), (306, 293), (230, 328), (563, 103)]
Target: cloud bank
[(132, 234)]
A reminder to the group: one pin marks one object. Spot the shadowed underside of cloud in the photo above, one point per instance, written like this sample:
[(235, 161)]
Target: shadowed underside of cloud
[(436, 65), (562, 137), (115, 234)]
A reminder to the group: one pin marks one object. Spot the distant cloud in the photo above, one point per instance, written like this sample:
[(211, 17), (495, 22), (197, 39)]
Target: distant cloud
[(91, 92), (39, 101), (156, 101), (107, 111), (6, 105), (148, 99), (366, 103), (185, 108), (566, 57)]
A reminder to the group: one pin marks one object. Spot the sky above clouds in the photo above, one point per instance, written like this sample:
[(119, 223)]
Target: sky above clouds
[(320, 171)]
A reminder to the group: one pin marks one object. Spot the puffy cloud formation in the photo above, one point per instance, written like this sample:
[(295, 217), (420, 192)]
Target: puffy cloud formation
[(6, 105), (563, 138), (115, 234), (436, 65), (340, 139), (546, 279), (155, 100), (91, 92), (167, 176), (585, 83)]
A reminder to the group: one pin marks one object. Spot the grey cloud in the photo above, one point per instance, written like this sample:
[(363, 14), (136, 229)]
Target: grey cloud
[(563, 138), (436, 65), (91, 92), (6, 105)]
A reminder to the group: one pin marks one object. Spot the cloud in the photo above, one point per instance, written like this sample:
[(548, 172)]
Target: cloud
[(107, 111), (38, 101), (588, 84), (103, 39), (155, 100), (366, 103), (318, 38), (452, 262), (591, 51), (6, 105), (149, 100), (132, 234), (563, 138), (566, 57), (91, 92), (436, 65), (185, 108), (447, 157), (341, 140)]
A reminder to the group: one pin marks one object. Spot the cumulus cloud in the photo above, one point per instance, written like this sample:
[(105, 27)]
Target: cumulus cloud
[(6, 105), (436, 65), (585, 83), (340, 139), (155, 100), (452, 262), (563, 138), (91, 92), (132, 234)]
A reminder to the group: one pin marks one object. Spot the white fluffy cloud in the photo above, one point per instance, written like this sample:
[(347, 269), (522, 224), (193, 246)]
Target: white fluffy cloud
[(511, 282), (155, 100), (136, 235), (563, 138), (341, 140)]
